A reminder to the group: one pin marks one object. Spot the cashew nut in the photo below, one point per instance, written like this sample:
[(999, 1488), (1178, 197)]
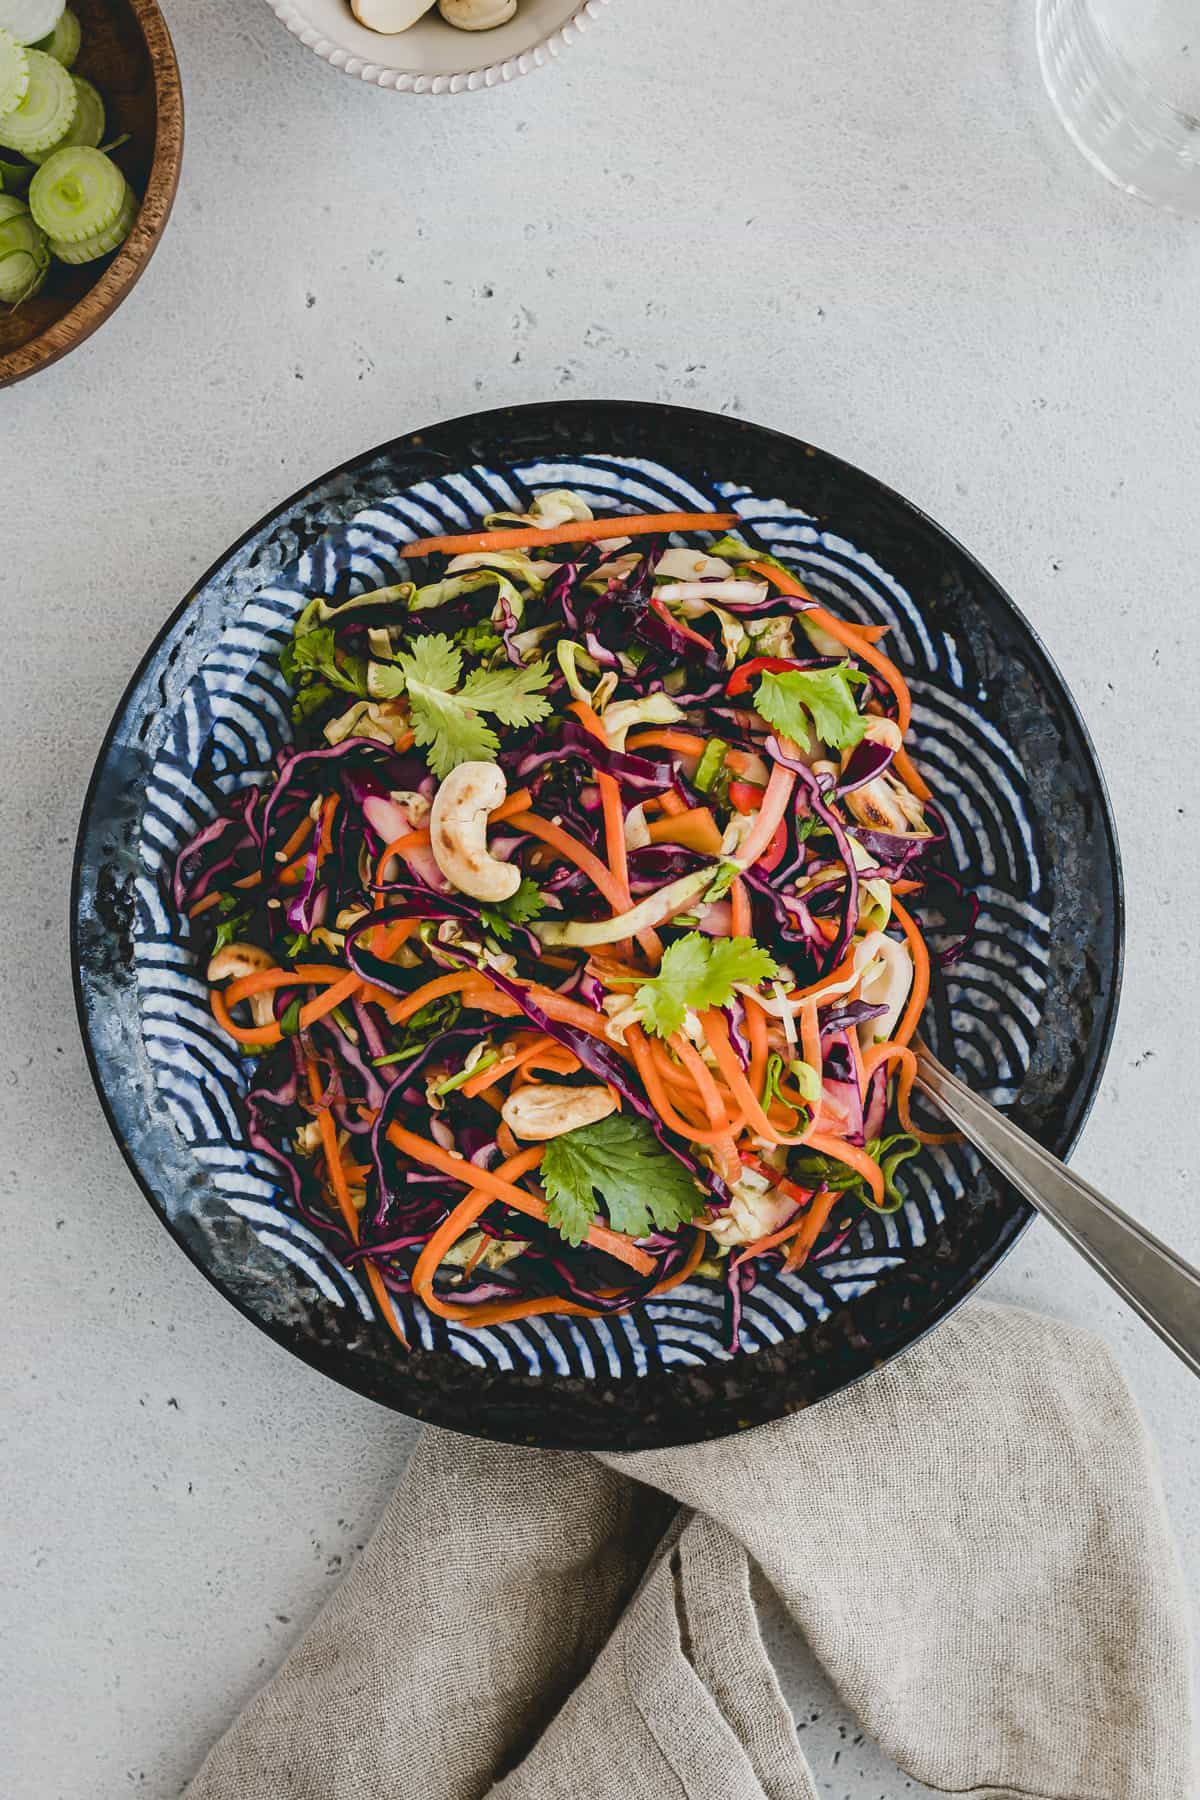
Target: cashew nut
[(755, 1208), (477, 15), (233, 961), (886, 980), (389, 15), (886, 805), (548, 1110), (307, 1139), (384, 721), (458, 823)]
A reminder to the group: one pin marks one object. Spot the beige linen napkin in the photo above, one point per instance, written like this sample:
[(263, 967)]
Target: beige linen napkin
[(973, 1541)]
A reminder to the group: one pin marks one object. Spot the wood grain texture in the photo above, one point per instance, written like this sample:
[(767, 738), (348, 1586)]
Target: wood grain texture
[(127, 53)]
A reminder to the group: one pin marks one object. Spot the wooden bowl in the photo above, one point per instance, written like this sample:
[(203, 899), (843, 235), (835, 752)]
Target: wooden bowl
[(127, 53)]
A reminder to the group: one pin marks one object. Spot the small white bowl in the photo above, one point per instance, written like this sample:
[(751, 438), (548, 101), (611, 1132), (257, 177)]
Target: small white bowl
[(432, 57)]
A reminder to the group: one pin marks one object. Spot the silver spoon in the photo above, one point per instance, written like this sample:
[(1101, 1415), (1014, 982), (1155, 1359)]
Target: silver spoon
[(1159, 1285)]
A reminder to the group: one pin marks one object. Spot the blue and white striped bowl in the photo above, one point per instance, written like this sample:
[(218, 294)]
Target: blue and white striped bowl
[(209, 709)]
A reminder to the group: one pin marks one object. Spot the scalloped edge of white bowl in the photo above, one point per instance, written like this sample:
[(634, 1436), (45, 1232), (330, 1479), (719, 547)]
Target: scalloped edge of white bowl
[(465, 81)]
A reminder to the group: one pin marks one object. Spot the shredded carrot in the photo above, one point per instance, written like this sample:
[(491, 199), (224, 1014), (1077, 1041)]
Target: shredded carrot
[(477, 1255), (686, 743), (521, 1050), (716, 1105), (573, 851), (577, 531), (506, 1140), (873, 633), (610, 801), (741, 924), (293, 875), (910, 775), (920, 987), (422, 1150), (740, 921), (433, 990), (341, 1191), (842, 973), (651, 1079), (341, 987), (770, 813), (716, 1033), (810, 1037), (585, 859), (325, 844), (456, 1224), (694, 827), (671, 803), (408, 840), (496, 1312), (770, 1241), (854, 1158), (300, 836), (905, 1075), (202, 906), (813, 1224), (668, 618)]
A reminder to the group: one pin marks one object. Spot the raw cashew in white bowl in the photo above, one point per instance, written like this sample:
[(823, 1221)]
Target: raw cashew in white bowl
[(458, 826), (477, 15), (389, 16)]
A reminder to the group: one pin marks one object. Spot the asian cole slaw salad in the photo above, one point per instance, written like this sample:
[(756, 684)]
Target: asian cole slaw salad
[(571, 940)]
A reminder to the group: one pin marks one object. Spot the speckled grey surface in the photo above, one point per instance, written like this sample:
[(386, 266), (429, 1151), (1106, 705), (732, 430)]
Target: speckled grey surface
[(927, 280)]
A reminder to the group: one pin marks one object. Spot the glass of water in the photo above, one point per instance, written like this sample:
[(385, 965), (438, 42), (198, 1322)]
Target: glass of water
[(1124, 76)]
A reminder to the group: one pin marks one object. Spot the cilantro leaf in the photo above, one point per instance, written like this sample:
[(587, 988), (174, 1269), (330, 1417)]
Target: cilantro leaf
[(233, 920), (447, 724), (316, 652), (309, 699), (509, 693), (434, 1018), (799, 700), (480, 639), (620, 1163), (698, 972), (518, 909)]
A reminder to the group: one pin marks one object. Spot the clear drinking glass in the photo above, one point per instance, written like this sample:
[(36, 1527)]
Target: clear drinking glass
[(1124, 76)]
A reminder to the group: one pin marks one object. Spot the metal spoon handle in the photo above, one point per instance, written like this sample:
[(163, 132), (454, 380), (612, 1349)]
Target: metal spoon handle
[(1159, 1285)]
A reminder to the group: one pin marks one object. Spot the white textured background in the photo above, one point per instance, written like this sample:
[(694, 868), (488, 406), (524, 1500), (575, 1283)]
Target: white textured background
[(858, 223)]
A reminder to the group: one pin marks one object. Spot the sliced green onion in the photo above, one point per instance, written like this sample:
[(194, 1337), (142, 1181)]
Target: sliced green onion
[(807, 1080), (24, 253), (771, 1077), (338, 1015), (382, 1062), (63, 42), (464, 1075), (111, 238), (77, 194), (29, 20), (86, 128), (45, 111), (14, 73), (289, 1024), (655, 909), (710, 764)]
